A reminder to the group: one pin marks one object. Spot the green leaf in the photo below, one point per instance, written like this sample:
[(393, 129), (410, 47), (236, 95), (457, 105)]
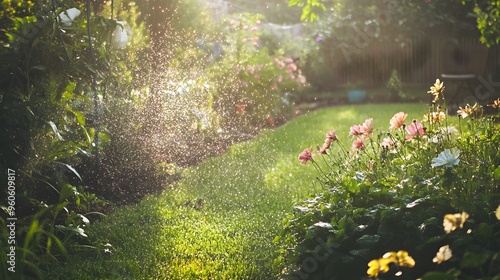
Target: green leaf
[(484, 230), (368, 240), (363, 253), (80, 118), (30, 235), (56, 131), (496, 173), (473, 260), (67, 191), (71, 169)]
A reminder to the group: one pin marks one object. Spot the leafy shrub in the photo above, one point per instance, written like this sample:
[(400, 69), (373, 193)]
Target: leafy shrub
[(251, 87), (389, 191), (48, 126)]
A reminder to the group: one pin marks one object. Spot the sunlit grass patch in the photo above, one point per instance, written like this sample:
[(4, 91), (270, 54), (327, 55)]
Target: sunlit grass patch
[(220, 220)]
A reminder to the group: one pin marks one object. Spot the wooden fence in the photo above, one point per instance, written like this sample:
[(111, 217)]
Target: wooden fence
[(418, 61)]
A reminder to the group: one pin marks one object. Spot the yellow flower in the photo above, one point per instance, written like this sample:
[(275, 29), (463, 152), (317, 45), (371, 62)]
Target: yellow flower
[(377, 266), (434, 117), (453, 221), (400, 258), (496, 103), (497, 213), (437, 88), (443, 254), (466, 111)]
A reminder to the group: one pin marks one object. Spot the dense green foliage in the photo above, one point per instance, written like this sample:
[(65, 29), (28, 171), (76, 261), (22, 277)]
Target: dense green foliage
[(389, 193)]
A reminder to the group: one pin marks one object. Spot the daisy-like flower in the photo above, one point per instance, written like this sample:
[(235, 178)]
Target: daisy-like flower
[(436, 89), (398, 120), (331, 135), (387, 142), (468, 110), (453, 221), (434, 117), (325, 146), (358, 144), (355, 130), (414, 129), (443, 254), (447, 158), (450, 130), (306, 156), (442, 133), (464, 112), (496, 103), (367, 127)]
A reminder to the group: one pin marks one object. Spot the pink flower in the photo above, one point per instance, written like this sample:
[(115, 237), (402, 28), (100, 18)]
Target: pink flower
[(251, 70), (358, 144), (367, 127), (398, 120), (325, 147), (292, 67), (331, 135), (257, 22), (387, 142), (301, 79), (305, 156), (414, 129), (355, 130)]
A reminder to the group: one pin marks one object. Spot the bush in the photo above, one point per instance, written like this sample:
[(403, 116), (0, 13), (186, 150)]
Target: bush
[(385, 197), (252, 88)]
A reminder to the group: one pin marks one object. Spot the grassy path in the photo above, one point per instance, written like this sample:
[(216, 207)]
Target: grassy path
[(220, 220)]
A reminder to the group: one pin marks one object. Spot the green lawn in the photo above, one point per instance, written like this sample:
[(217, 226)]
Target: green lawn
[(220, 220)]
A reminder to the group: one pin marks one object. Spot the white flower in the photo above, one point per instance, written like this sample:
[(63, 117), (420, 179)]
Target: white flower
[(447, 158), (451, 130), (443, 254), (121, 35), (68, 16)]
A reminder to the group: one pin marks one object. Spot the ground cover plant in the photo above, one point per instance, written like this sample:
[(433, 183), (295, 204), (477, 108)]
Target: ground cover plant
[(220, 221), (419, 198)]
